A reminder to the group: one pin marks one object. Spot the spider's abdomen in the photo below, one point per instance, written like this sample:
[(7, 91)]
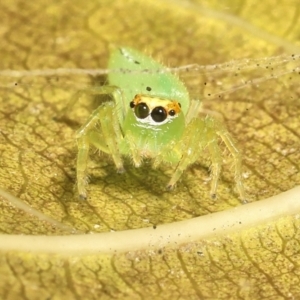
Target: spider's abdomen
[(145, 77)]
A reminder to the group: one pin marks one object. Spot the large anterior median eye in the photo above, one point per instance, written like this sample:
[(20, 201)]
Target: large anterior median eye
[(141, 110), (159, 114)]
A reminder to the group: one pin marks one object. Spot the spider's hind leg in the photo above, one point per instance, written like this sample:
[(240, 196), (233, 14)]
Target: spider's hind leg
[(216, 166), (220, 130)]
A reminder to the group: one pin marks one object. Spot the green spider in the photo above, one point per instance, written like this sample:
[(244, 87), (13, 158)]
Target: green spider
[(150, 116)]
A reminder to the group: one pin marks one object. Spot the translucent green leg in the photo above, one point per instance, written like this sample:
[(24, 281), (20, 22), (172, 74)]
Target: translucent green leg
[(229, 142), (202, 133), (106, 138), (135, 154), (93, 90), (82, 157), (215, 166), (111, 132), (221, 131), (192, 144)]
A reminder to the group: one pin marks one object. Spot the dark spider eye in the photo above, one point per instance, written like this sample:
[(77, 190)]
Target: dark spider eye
[(159, 114), (141, 110), (131, 104), (172, 112)]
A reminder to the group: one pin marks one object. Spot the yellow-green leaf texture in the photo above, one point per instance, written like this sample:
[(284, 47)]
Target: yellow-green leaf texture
[(132, 239)]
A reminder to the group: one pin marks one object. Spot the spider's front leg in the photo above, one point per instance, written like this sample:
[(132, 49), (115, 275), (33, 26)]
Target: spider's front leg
[(101, 130), (190, 147), (203, 133)]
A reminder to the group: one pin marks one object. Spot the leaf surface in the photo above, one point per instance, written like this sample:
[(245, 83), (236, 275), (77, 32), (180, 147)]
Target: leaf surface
[(258, 100)]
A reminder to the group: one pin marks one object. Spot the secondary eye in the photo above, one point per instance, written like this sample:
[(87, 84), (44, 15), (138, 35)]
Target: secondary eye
[(159, 114), (172, 112), (141, 110)]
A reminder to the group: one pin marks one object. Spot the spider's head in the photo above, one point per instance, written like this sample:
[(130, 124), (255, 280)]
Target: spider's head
[(154, 110)]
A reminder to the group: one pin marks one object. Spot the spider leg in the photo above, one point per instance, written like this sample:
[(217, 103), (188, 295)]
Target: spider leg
[(217, 128), (190, 146), (216, 165), (199, 134), (230, 144), (135, 154), (82, 157), (106, 138), (93, 90)]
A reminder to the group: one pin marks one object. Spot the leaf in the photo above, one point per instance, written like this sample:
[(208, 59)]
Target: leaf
[(253, 260)]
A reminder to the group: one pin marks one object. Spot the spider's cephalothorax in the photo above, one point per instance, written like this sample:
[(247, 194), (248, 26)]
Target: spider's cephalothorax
[(151, 115)]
